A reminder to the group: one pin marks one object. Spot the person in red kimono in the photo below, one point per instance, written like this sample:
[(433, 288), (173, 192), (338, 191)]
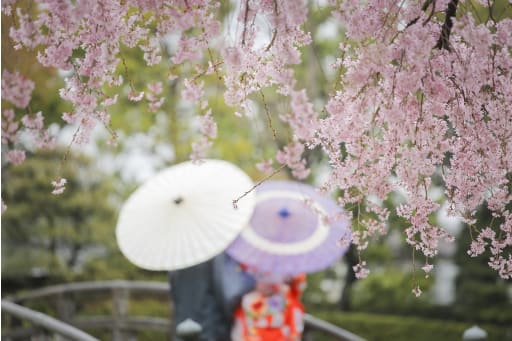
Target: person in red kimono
[(271, 312)]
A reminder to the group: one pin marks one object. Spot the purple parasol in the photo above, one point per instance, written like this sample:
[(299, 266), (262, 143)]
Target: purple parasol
[(293, 229)]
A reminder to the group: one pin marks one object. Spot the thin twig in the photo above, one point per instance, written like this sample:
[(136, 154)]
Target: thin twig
[(431, 13), (199, 75), (491, 16), (64, 158), (130, 82), (274, 33), (235, 202), (269, 119), (414, 279), (394, 74), (426, 4)]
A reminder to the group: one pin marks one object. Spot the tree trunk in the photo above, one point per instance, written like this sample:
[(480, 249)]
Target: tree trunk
[(350, 278)]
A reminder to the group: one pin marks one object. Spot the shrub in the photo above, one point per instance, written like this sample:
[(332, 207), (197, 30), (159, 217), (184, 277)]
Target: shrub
[(375, 327)]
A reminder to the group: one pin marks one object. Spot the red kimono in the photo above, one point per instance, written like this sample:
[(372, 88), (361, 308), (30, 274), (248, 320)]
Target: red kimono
[(272, 313)]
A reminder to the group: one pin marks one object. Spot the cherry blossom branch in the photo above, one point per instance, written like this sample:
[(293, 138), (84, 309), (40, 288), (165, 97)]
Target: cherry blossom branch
[(246, 17), (274, 32), (489, 5), (444, 39), (269, 118), (424, 7), (235, 201), (402, 111)]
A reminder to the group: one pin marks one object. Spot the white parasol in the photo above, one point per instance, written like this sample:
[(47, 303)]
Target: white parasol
[(184, 215)]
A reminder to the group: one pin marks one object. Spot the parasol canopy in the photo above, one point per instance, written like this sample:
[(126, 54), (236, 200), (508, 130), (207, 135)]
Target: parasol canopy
[(294, 229), (184, 215)]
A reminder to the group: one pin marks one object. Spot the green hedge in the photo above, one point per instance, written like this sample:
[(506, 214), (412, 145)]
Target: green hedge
[(375, 327)]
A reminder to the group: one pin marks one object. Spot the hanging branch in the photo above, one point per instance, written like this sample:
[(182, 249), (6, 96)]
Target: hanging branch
[(425, 6), (444, 39), (235, 201), (274, 33), (246, 15)]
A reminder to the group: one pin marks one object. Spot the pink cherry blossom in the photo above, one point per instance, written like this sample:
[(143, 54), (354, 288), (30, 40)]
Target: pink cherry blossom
[(110, 101), (291, 155), (34, 125), (265, 166), (411, 102), (59, 186), (360, 270), (208, 127), (193, 91), (427, 268), (155, 88), (135, 97), (9, 127), (16, 88), (199, 148), (15, 157)]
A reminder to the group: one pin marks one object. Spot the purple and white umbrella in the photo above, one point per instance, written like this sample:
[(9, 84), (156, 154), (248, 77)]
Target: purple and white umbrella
[(293, 229)]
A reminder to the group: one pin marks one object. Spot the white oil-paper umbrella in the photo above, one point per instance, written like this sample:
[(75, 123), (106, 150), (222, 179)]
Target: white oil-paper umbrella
[(184, 215)]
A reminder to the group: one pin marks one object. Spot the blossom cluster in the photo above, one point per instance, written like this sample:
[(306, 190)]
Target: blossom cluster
[(414, 104), (422, 91), (17, 91), (252, 66)]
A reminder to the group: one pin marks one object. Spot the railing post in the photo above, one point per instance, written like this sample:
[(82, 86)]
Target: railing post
[(474, 333), (8, 322), (39, 334), (307, 335), (65, 307), (120, 304)]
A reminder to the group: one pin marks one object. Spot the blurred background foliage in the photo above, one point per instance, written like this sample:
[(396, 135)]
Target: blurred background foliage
[(48, 239)]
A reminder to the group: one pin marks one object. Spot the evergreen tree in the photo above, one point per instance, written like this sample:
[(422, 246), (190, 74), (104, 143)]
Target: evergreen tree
[(51, 236), (481, 295)]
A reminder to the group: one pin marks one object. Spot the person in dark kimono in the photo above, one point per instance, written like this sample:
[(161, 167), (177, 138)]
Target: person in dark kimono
[(208, 294)]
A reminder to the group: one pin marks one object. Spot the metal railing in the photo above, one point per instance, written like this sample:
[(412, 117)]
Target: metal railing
[(43, 324), (313, 324), (67, 299)]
